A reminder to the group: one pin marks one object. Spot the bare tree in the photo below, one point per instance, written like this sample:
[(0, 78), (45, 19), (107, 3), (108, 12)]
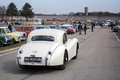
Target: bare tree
[(2, 12)]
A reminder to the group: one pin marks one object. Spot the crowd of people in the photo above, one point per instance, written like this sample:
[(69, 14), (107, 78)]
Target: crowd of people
[(82, 26)]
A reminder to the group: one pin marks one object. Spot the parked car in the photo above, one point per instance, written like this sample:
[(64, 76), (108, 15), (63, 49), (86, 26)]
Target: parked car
[(18, 23), (53, 26), (6, 31), (26, 29), (41, 27), (23, 34), (5, 40), (47, 27), (64, 28), (53, 49), (68, 28), (74, 28)]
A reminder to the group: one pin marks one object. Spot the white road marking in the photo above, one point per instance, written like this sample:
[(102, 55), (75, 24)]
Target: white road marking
[(7, 53), (117, 37)]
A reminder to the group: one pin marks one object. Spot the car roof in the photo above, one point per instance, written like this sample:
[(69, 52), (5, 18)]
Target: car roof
[(3, 27), (47, 31), (57, 34), (40, 25), (66, 25), (26, 26)]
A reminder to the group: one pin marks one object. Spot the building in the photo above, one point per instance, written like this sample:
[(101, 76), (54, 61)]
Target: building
[(86, 11)]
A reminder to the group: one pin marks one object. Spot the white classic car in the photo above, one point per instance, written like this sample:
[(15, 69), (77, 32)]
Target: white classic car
[(47, 47)]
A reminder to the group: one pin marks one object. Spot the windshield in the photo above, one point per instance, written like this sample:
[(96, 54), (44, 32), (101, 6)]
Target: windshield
[(42, 38), (38, 28), (69, 26), (65, 27), (7, 30), (53, 27), (13, 29)]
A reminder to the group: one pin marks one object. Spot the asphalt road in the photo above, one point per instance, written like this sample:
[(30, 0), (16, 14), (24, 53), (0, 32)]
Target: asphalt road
[(98, 59)]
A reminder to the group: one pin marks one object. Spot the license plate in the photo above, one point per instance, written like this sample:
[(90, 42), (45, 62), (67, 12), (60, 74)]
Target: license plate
[(32, 59)]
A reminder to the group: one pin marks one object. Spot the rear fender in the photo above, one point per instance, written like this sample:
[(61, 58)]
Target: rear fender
[(71, 47), (57, 56)]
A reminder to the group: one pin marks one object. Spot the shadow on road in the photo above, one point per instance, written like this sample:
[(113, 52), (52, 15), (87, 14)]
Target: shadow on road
[(11, 67)]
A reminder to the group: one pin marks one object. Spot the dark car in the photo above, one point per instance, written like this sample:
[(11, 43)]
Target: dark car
[(5, 40), (18, 23)]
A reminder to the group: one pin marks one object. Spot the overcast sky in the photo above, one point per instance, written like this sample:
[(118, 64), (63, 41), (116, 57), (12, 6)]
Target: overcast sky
[(66, 6)]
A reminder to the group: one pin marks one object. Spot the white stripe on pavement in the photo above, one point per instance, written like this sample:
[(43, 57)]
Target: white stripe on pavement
[(7, 53), (116, 37)]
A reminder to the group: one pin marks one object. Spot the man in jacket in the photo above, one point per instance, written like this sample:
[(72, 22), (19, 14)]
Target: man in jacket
[(80, 28)]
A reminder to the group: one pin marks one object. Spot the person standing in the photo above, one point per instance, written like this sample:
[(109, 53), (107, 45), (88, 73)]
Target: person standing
[(92, 26), (80, 28), (84, 28), (10, 27), (111, 25)]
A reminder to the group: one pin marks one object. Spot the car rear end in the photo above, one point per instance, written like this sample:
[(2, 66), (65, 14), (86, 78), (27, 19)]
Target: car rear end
[(70, 30)]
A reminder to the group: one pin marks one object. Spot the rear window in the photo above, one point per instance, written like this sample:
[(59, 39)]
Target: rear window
[(42, 38)]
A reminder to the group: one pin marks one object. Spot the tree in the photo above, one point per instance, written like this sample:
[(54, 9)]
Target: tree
[(27, 11), (71, 14), (12, 10), (2, 11)]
